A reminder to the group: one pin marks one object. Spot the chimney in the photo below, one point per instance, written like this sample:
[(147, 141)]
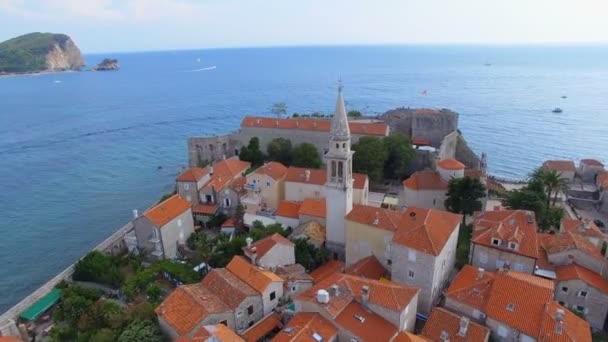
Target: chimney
[(364, 295), (464, 325), (586, 225), (211, 170), (376, 219), (248, 241), (559, 315), (334, 290), (322, 296), (480, 273), (135, 213), (254, 255), (307, 175)]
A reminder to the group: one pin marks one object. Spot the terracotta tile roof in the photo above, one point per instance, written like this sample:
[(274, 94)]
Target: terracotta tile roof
[(602, 180), (273, 170), (293, 272), (303, 325), (329, 268), (378, 217), (228, 288), (573, 328), (592, 162), (390, 296), (319, 177), (264, 245), (567, 241), (472, 173), (405, 336), (450, 164), (470, 289), (259, 279), (263, 328), (425, 180), (288, 209), (441, 320), (205, 209), (193, 174), (230, 167), (229, 223), (9, 339), (216, 333), (543, 262), (421, 142), (370, 327), (585, 228), (368, 267), (218, 182), (313, 207), (169, 209), (559, 165), (188, 305), (426, 230), (518, 300), (320, 125), (518, 226), (576, 272)]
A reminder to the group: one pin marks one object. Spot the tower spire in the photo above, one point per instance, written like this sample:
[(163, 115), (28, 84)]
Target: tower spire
[(339, 125)]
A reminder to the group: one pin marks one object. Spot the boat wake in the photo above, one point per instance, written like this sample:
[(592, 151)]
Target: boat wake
[(204, 69)]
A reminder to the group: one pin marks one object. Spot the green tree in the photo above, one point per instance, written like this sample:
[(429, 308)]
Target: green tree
[(141, 331), (370, 155), (535, 198), (239, 217), (354, 113), (279, 109), (464, 196), (306, 155), (400, 153), (103, 335), (252, 153), (280, 150), (98, 267), (309, 255), (552, 182)]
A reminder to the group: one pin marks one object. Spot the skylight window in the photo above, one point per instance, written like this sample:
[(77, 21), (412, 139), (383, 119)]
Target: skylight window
[(510, 307)]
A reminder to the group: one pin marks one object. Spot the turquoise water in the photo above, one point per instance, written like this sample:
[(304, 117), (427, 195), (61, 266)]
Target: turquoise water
[(79, 151)]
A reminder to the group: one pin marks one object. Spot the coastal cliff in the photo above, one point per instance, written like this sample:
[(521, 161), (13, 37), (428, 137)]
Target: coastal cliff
[(107, 65), (39, 52)]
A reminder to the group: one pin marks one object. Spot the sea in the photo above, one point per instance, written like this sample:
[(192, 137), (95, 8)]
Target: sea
[(79, 151)]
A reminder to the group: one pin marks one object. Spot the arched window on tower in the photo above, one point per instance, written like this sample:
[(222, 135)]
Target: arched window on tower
[(333, 168), (340, 169)]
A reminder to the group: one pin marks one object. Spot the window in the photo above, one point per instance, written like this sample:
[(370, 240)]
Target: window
[(208, 198), (333, 168), (267, 183), (518, 267), (580, 308), (293, 289), (273, 295), (179, 222), (227, 202), (483, 257), (410, 274), (186, 186), (502, 331), (495, 242), (582, 294), (411, 255), (389, 262), (250, 310), (343, 145), (250, 323), (500, 264), (561, 302), (224, 322), (340, 169), (564, 289), (337, 145), (512, 245)]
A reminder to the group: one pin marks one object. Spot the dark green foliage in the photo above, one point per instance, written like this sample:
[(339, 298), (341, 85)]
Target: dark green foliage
[(103, 335), (464, 245), (252, 153), (280, 150), (144, 279), (306, 155), (354, 113), (279, 109), (139, 330), (98, 267), (464, 196), (399, 153), (370, 156), (203, 163), (27, 53), (309, 255), (216, 220)]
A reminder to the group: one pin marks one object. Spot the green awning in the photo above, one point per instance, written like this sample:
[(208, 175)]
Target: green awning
[(43, 304)]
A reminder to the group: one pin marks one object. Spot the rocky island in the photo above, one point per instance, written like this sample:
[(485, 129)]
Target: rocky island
[(107, 64), (39, 52)]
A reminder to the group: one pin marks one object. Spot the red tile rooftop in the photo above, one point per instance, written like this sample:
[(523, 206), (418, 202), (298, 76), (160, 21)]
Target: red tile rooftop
[(169, 209), (311, 124)]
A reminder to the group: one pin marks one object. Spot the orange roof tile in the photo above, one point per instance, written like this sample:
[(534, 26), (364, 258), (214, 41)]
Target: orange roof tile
[(264, 245), (368, 267), (425, 180), (602, 180), (571, 328), (592, 162), (167, 210), (559, 165), (585, 228), (369, 327), (391, 296), (359, 180), (441, 320), (193, 174), (217, 333), (518, 226), (263, 328), (471, 289), (229, 223), (288, 209), (567, 241), (450, 164), (319, 177), (292, 272), (229, 288), (313, 207), (518, 300), (543, 262), (230, 167), (303, 325), (382, 218), (9, 339), (188, 305), (327, 269), (205, 209), (426, 230), (273, 170), (576, 272), (309, 124), (405, 336), (259, 279)]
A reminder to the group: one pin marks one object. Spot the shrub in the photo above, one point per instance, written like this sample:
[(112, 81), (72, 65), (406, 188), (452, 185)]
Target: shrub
[(98, 267)]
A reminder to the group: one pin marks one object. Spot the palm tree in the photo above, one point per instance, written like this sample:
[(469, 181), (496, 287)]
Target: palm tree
[(552, 182), (464, 196)]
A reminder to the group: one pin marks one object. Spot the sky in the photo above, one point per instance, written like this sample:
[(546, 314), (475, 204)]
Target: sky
[(144, 25)]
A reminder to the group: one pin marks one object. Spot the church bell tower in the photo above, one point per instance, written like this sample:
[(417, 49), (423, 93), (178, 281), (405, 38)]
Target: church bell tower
[(339, 186)]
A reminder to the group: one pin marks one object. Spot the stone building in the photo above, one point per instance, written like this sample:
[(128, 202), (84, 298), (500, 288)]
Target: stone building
[(191, 181), (302, 183), (265, 188), (422, 124), (565, 168), (589, 169), (567, 248), (271, 251), (306, 326), (443, 325)]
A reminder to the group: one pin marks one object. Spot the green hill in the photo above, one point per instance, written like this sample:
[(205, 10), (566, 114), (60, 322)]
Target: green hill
[(28, 53)]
